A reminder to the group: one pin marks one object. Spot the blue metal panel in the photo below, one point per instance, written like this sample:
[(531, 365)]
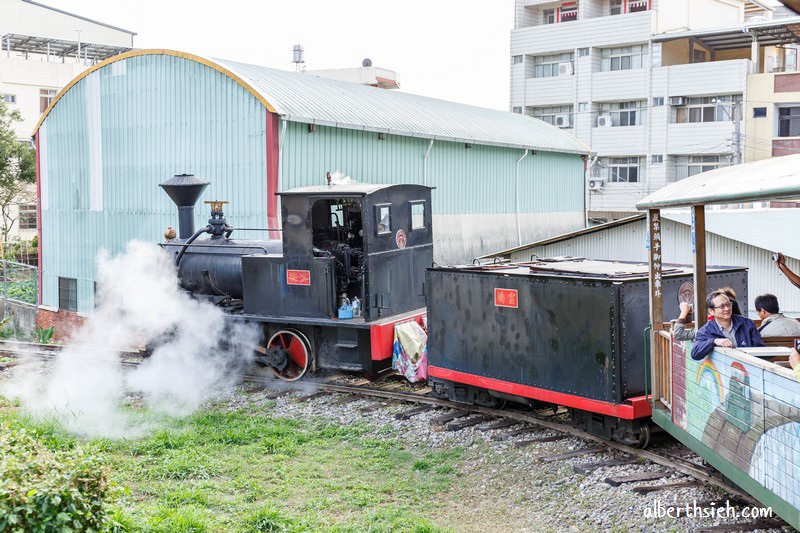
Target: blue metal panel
[(163, 115), (481, 179)]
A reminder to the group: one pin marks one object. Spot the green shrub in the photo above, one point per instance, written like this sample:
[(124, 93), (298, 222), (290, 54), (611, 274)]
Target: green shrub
[(44, 490), (43, 335)]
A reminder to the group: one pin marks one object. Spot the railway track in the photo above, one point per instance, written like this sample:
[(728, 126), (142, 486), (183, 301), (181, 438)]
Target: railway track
[(450, 416)]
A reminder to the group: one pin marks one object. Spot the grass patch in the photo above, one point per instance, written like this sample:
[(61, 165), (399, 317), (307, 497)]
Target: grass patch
[(253, 471)]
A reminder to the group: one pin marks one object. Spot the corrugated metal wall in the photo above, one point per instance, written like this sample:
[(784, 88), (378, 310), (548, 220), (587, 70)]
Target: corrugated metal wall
[(477, 180), (159, 116), (627, 243)]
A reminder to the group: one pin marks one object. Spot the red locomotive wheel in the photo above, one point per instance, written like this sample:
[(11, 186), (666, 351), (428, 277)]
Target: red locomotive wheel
[(294, 342)]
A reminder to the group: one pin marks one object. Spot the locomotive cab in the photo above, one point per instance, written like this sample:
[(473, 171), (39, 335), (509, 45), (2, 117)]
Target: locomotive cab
[(371, 242)]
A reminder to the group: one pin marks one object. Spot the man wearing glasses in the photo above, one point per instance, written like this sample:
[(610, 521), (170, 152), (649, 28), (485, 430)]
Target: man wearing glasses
[(726, 330)]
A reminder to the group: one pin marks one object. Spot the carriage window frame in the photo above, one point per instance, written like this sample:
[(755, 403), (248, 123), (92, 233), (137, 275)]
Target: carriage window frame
[(421, 216), (380, 209)]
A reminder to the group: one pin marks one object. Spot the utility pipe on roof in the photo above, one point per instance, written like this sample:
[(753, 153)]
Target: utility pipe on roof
[(425, 164), (516, 194)]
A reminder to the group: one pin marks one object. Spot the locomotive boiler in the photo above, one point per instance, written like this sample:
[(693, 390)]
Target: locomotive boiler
[(339, 243)]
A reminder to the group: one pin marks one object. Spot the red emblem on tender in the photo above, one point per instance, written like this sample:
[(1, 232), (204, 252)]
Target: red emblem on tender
[(506, 298), (298, 277)]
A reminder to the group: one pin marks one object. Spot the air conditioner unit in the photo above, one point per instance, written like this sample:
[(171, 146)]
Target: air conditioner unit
[(604, 121), (596, 184), (565, 69), (562, 121), (677, 100)]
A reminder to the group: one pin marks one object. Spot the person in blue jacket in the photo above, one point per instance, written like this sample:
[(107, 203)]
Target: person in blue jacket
[(726, 330)]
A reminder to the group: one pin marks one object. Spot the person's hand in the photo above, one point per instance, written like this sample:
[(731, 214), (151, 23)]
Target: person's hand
[(794, 358), (686, 310), (723, 343), (780, 259)]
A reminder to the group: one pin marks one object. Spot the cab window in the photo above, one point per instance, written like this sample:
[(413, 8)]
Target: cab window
[(382, 215), (418, 215)]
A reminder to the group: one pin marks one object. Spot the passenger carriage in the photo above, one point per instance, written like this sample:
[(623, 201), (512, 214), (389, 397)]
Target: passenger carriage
[(738, 409)]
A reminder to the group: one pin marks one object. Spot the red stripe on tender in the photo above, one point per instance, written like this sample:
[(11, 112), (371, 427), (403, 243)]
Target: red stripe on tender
[(634, 408), (382, 337), (272, 174)]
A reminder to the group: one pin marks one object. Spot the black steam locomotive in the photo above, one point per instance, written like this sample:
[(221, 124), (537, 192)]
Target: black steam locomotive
[(350, 265), (564, 331)]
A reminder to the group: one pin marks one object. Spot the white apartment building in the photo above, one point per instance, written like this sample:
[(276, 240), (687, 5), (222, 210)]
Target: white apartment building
[(41, 50), (655, 87)]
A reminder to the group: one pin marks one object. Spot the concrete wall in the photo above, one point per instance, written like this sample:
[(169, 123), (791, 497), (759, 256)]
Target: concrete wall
[(761, 133)]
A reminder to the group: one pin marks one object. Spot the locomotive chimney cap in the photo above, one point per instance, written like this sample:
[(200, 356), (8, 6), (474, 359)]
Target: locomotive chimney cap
[(184, 189)]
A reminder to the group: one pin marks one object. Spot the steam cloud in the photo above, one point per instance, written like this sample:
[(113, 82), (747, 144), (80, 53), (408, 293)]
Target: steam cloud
[(139, 301)]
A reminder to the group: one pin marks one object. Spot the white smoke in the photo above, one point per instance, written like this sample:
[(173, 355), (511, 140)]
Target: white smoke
[(139, 301)]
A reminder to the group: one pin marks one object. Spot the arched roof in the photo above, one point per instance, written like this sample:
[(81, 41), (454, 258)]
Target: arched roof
[(301, 97)]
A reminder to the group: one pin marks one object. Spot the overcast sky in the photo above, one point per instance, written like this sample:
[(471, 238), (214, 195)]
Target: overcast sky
[(454, 50)]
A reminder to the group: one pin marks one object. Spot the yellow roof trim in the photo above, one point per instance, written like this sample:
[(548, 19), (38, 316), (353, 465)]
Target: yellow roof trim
[(155, 51)]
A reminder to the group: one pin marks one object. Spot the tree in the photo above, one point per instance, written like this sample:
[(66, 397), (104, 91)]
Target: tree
[(17, 169)]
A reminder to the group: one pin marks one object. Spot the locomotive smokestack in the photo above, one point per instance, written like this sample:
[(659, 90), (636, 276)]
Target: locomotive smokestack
[(184, 189)]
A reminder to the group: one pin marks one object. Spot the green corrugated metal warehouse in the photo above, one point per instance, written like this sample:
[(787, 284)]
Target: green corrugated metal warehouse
[(131, 122)]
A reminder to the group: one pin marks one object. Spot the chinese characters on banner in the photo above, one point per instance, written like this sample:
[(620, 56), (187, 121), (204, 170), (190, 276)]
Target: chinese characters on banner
[(655, 253)]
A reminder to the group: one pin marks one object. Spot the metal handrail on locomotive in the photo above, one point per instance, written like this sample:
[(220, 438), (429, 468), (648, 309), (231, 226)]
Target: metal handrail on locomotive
[(339, 244)]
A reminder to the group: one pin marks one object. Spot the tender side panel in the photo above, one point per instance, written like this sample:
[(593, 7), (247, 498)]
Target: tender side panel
[(562, 335), (743, 417)]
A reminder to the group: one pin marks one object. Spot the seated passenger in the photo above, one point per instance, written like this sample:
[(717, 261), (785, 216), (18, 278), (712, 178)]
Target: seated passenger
[(794, 360), (726, 330), (679, 331), (773, 323)]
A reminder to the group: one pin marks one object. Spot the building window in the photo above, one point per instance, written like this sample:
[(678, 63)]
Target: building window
[(27, 216), (624, 170), (759, 112), (549, 16), (10, 98), (568, 12), (656, 159), (560, 116), (686, 166), (517, 60), (618, 7), (658, 101), (699, 56), (67, 294), (554, 65), (417, 215), (635, 6), (624, 58), (709, 109), (623, 113), (790, 60), (517, 110), (789, 122), (583, 107), (583, 52), (45, 97)]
